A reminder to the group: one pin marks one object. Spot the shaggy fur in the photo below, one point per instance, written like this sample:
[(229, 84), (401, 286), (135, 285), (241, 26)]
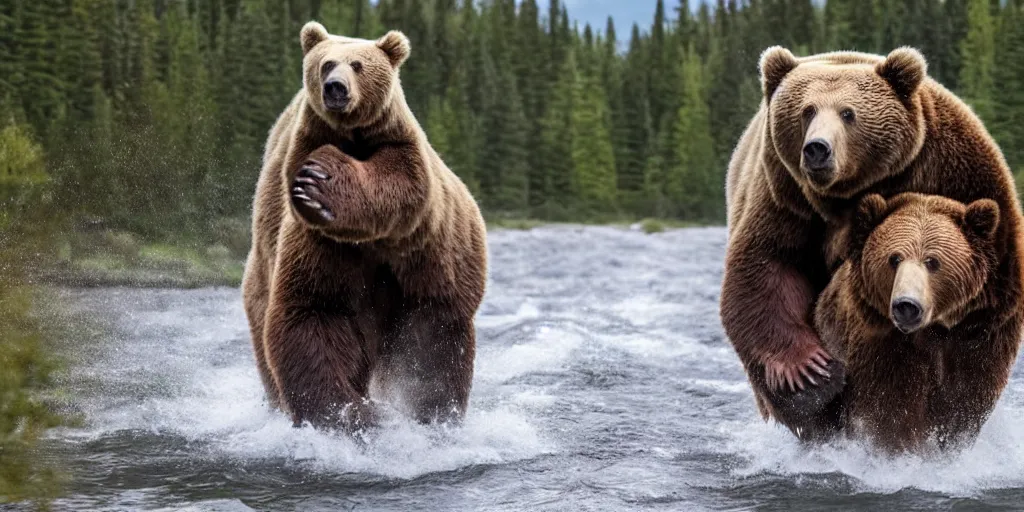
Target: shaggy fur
[(369, 255), (909, 387), (892, 129)]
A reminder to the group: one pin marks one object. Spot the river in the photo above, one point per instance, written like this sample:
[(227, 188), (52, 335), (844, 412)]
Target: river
[(603, 382)]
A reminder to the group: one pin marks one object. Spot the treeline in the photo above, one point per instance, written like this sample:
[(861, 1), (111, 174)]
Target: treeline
[(152, 113)]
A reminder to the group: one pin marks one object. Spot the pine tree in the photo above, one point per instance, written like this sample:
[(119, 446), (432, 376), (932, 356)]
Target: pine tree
[(10, 64), (557, 140), (1008, 98), (633, 138), (696, 184), (533, 86), (40, 88), (977, 52), (502, 161), (956, 15), (462, 136), (659, 82), (592, 155)]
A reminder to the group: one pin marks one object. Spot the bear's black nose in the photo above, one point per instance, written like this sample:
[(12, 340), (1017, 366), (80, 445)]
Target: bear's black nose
[(335, 94), (817, 155), (907, 313)]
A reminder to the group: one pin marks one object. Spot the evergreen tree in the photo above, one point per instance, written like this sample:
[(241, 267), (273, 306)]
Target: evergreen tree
[(1008, 98), (41, 89), (557, 138), (697, 182), (977, 52), (10, 64), (592, 156), (957, 25), (635, 129), (502, 161)]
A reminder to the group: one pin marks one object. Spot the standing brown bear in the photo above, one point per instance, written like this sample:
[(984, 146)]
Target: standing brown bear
[(369, 255), (916, 267), (831, 128)]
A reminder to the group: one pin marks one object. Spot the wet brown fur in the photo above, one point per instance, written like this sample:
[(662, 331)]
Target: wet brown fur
[(379, 298), (786, 235), (920, 390)]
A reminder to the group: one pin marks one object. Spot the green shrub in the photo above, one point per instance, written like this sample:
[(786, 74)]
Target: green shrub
[(652, 226), (233, 233)]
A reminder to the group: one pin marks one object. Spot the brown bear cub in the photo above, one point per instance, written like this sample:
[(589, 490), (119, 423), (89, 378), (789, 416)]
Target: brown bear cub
[(916, 266), (832, 128), (369, 255)]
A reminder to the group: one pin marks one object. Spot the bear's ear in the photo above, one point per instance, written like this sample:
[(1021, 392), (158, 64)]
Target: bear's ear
[(871, 211), (775, 63), (396, 46), (982, 218), (311, 35), (904, 68)]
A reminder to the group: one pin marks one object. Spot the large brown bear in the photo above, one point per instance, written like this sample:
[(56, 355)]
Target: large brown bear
[(916, 266), (369, 255), (831, 128)]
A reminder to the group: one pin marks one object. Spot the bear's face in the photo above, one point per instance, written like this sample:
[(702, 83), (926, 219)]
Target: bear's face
[(922, 258), (842, 122), (349, 82)]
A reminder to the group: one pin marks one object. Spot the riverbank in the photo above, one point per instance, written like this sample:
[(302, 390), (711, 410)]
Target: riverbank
[(119, 259)]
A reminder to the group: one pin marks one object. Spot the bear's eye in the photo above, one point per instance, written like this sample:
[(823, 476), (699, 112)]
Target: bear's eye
[(808, 113), (895, 260), (932, 264), (848, 115), (357, 66), (328, 67)]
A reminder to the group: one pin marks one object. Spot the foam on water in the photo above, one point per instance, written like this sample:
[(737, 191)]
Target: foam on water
[(994, 461), (222, 411)]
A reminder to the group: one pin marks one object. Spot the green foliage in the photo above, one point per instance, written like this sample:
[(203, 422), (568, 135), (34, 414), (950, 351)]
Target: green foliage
[(1008, 75), (977, 52), (651, 226), (25, 365), (153, 113)]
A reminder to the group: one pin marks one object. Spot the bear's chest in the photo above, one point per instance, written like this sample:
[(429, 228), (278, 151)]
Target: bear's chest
[(355, 145)]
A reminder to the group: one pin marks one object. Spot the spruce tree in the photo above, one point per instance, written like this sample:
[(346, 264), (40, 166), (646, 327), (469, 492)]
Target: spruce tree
[(592, 156), (502, 161), (977, 52), (696, 183), (40, 87), (557, 141), (1008, 97), (10, 64), (632, 141), (956, 15)]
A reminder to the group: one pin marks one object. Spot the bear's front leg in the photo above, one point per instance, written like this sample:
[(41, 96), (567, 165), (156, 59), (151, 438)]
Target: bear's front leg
[(766, 305), (359, 201)]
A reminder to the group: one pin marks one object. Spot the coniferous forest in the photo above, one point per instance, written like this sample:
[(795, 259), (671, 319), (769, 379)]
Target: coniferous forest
[(151, 114)]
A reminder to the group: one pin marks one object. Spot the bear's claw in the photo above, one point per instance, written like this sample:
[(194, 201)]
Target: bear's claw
[(306, 195), (791, 371)]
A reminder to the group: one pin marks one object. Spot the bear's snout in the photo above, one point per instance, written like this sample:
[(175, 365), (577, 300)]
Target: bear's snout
[(818, 161), (335, 94), (907, 314)]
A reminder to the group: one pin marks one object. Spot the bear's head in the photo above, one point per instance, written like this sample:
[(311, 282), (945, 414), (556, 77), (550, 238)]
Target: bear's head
[(843, 121), (922, 259), (349, 82)]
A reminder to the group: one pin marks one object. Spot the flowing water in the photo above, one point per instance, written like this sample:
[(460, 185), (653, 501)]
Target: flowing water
[(603, 382)]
